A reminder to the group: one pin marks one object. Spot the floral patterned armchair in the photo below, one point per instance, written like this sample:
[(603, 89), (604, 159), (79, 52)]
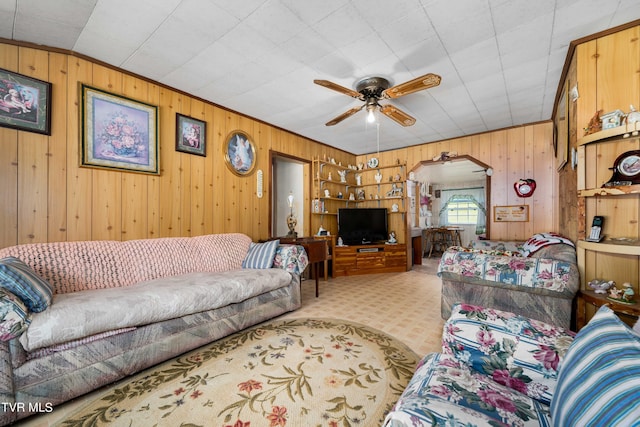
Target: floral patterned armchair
[(500, 369), (537, 278)]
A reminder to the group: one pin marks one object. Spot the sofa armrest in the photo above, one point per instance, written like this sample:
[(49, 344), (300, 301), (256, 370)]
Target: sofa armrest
[(521, 353)]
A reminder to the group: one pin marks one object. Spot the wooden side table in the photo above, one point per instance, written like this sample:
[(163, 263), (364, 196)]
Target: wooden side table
[(598, 300), (316, 250)]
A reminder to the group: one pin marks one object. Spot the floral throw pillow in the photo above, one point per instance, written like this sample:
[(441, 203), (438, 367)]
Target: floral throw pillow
[(14, 316), (518, 352)]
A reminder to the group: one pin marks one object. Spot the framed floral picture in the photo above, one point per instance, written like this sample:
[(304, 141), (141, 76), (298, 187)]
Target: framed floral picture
[(240, 153), (118, 133), (25, 103), (190, 135)]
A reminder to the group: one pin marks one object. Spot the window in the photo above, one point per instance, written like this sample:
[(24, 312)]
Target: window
[(462, 211)]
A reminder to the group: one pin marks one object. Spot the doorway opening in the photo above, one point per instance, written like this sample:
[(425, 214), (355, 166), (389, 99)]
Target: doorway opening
[(454, 192), (290, 184)]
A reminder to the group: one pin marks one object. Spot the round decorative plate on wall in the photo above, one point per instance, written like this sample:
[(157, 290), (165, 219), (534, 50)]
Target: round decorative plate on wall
[(373, 162)]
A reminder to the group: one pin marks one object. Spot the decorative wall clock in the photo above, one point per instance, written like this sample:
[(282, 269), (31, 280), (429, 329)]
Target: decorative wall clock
[(524, 187), (626, 169)]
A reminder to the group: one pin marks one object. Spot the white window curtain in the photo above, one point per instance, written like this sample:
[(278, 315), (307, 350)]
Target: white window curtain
[(475, 195)]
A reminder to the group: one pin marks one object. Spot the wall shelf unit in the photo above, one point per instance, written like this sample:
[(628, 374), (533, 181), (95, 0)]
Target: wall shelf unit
[(383, 186), (617, 256)]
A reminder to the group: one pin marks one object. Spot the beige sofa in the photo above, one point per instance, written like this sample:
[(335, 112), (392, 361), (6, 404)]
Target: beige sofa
[(120, 307)]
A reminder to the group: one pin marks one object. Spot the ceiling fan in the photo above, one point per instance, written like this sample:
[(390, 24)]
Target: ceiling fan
[(373, 89)]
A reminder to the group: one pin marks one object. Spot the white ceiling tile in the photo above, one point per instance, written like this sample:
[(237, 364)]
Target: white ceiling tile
[(500, 60)]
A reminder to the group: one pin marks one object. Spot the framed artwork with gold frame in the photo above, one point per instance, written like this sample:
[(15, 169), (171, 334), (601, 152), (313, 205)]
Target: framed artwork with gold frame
[(240, 153)]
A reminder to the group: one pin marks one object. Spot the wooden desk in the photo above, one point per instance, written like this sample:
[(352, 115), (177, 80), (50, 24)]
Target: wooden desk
[(599, 300), (316, 250)]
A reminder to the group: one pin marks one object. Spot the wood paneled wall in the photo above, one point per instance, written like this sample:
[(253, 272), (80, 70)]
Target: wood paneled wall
[(46, 196), (515, 153)]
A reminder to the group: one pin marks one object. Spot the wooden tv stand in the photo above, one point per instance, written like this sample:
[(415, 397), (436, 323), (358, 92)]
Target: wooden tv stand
[(366, 259)]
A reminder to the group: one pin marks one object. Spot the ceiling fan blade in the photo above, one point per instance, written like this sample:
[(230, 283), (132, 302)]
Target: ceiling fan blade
[(343, 116), (338, 88), (397, 115), (420, 83)]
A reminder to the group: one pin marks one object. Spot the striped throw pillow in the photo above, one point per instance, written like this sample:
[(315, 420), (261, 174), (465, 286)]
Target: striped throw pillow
[(599, 380), (261, 255), (20, 279)]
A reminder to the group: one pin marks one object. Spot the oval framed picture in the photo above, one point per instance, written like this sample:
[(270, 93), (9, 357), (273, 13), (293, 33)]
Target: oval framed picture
[(240, 153)]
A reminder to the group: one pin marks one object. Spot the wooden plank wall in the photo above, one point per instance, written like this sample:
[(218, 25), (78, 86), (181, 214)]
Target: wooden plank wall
[(515, 153), (46, 196)]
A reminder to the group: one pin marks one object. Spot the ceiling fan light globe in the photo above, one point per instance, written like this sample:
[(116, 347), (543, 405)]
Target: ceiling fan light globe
[(371, 117)]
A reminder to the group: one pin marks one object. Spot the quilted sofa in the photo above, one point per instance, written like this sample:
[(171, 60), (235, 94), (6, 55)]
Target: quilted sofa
[(500, 369), (80, 315), (537, 278)]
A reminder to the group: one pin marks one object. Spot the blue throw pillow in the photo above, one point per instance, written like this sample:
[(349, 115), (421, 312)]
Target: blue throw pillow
[(261, 255), (20, 279), (599, 380)]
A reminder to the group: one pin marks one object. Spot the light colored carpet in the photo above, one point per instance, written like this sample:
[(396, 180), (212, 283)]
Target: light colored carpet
[(287, 372), (403, 305)]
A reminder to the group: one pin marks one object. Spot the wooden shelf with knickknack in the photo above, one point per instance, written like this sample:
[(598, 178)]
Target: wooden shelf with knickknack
[(605, 191), (359, 188), (362, 186)]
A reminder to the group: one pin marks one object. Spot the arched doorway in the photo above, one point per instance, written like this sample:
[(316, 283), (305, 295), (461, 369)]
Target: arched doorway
[(448, 190)]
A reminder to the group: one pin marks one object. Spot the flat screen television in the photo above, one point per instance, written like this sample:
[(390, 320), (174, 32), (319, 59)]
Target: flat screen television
[(362, 226)]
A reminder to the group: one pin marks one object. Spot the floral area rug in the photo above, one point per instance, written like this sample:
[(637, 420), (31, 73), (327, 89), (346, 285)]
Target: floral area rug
[(295, 372)]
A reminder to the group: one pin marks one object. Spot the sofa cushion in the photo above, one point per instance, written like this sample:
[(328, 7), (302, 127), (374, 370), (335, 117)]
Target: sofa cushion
[(80, 314), (516, 351), (20, 279), (261, 255), (14, 317), (598, 383)]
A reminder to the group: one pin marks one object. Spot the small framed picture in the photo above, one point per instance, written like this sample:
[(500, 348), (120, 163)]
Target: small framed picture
[(25, 103), (240, 153), (191, 135)]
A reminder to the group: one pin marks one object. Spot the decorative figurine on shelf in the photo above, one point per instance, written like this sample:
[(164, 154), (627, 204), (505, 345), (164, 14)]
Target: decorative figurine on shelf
[(378, 177), (329, 178), (327, 194), (322, 231), (612, 119), (392, 238), (600, 286), (628, 293), (614, 293), (632, 121), (395, 191), (343, 175), (361, 195), (340, 242), (395, 208), (352, 196), (594, 125), (340, 196), (624, 296), (358, 179)]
